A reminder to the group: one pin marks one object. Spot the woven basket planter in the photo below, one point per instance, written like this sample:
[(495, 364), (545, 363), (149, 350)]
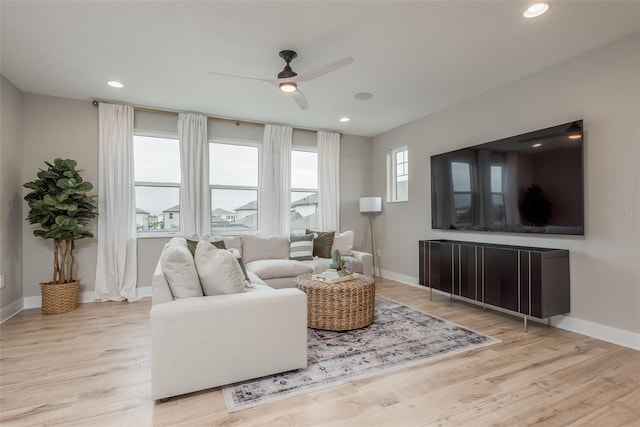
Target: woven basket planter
[(59, 298)]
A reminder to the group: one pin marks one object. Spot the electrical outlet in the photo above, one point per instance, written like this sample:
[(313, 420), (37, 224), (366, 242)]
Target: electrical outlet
[(378, 252), (1, 281)]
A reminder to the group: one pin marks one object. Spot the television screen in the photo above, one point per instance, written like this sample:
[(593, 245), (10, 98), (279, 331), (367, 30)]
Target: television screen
[(530, 183)]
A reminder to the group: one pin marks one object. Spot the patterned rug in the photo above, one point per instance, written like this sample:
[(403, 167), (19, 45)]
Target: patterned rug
[(400, 336)]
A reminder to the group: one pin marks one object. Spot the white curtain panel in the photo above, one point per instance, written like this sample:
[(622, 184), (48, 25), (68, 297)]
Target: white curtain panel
[(274, 194), (329, 180), (195, 197), (116, 269)]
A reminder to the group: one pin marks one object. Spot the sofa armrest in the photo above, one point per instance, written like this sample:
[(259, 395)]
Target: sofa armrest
[(204, 342), (366, 259)]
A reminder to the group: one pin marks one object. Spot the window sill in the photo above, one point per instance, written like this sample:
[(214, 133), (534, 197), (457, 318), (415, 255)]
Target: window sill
[(157, 234)]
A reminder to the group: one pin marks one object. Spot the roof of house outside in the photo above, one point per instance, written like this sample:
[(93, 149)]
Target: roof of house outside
[(305, 201), (251, 206), (175, 208), (220, 211)]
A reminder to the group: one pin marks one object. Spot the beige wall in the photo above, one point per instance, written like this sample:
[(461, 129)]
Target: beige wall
[(11, 219), (65, 128), (58, 127), (603, 88)]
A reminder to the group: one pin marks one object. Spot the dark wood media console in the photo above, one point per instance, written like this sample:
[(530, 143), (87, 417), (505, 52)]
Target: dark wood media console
[(531, 281)]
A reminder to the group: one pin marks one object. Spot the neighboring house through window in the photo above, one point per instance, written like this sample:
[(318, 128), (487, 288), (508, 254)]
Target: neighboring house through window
[(304, 189), (398, 171), (233, 179), (157, 183)]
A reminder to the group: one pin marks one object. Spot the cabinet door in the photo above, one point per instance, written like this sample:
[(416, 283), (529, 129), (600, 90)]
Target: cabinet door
[(501, 277), (525, 281), (465, 271), (423, 262), (441, 266)]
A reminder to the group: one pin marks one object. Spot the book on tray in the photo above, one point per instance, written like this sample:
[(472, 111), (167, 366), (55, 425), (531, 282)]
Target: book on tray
[(334, 276)]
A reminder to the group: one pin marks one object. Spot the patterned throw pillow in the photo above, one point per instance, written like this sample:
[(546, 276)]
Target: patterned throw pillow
[(301, 247)]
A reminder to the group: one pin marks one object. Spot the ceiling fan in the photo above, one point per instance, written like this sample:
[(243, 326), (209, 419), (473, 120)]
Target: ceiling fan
[(287, 80)]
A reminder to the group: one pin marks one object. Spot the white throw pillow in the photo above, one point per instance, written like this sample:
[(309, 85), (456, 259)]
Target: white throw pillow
[(219, 272), (343, 242), (179, 269)]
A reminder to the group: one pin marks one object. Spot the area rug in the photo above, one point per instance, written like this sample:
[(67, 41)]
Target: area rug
[(400, 336)]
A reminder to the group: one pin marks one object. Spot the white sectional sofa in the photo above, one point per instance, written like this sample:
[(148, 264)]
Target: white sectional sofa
[(199, 341)]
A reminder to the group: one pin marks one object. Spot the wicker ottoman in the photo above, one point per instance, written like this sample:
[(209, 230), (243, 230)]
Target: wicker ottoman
[(338, 306)]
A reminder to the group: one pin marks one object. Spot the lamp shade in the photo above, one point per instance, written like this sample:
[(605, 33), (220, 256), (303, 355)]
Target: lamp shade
[(370, 204)]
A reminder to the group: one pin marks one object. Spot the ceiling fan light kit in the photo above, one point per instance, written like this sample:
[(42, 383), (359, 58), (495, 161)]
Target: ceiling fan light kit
[(288, 87)]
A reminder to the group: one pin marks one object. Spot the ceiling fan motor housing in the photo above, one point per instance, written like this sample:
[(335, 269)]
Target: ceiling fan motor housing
[(287, 72)]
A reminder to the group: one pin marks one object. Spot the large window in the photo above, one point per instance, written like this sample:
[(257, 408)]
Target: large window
[(398, 175), (157, 183), (304, 189), (233, 179)]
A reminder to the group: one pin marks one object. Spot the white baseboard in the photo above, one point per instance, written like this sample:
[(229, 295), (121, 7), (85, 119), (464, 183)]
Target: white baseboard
[(36, 302), (568, 323), (11, 310)]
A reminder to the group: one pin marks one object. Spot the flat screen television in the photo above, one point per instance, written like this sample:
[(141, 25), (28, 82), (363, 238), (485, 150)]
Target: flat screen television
[(529, 183)]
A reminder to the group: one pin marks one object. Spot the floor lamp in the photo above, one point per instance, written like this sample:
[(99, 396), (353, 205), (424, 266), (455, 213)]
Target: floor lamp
[(371, 205)]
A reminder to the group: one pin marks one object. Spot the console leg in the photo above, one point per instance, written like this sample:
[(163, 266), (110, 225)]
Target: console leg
[(525, 323), (430, 293)]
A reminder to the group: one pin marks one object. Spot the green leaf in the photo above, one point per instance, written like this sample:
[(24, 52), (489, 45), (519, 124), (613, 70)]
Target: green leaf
[(49, 200)]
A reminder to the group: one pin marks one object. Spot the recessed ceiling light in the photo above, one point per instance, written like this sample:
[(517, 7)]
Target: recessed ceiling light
[(537, 145), (536, 10), (363, 96), (115, 83), (575, 136), (344, 119)]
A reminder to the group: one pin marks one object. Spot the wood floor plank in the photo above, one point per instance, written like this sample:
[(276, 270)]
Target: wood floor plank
[(92, 367)]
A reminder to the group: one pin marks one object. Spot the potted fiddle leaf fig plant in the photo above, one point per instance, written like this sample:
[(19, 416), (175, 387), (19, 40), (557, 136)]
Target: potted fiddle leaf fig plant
[(60, 206)]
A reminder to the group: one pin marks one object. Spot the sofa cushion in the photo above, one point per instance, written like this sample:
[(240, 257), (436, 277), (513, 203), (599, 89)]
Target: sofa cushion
[(264, 247), (218, 270), (180, 271), (259, 288), (322, 243), (255, 280), (301, 247), (318, 265), (274, 268), (343, 242)]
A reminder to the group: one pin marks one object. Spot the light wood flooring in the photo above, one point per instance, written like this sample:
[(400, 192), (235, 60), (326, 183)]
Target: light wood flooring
[(91, 367)]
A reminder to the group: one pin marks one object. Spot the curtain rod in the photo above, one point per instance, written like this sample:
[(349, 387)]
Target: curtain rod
[(96, 102)]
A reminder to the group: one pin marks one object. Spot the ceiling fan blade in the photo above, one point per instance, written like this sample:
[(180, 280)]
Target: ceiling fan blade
[(300, 99), (271, 81), (323, 69)]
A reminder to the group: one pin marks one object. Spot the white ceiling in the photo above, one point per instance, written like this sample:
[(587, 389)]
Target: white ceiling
[(415, 57)]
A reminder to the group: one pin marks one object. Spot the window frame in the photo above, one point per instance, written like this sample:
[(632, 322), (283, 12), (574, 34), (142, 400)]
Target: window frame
[(240, 142), (392, 174), (308, 149), (164, 135)]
